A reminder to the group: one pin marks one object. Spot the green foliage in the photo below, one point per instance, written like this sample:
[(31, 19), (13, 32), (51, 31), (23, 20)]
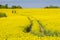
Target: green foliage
[(6, 6), (16, 7), (51, 6), (3, 15), (50, 33)]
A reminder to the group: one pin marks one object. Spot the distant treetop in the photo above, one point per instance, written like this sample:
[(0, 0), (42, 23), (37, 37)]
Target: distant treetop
[(51, 6), (14, 7), (7, 7)]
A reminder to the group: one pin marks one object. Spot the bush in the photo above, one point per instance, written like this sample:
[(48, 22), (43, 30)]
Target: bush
[(3, 15)]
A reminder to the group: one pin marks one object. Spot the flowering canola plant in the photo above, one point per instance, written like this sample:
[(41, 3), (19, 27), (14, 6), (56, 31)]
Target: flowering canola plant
[(30, 24)]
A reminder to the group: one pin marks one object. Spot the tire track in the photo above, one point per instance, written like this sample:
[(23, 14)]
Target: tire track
[(31, 24)]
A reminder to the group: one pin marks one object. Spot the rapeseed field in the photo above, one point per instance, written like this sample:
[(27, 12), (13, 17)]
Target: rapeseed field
[(30, 24)]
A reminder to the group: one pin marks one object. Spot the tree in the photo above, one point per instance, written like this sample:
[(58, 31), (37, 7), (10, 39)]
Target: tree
[(6, 5), (16, 7), (51, 6), (13, 7), (0, 5), (19, 6)]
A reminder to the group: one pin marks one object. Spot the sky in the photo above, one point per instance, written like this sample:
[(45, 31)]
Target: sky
[(31, 3)]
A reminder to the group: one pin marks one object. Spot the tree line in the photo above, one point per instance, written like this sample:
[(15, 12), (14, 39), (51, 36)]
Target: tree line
[(13, 6), (7, 7), (51, 6)]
